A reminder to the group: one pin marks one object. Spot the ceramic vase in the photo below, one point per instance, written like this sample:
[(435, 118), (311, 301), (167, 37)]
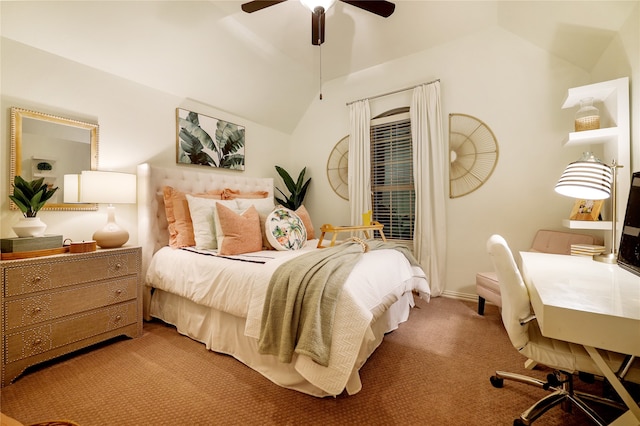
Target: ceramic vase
[(29, 227)]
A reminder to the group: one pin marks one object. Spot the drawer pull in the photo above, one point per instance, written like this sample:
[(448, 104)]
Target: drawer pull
[(118, 318), (37, 310), (118, 265), (37, 279), (118, 292), (37, 342)]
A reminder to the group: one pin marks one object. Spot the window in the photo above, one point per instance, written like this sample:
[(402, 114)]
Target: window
[(393, 194)]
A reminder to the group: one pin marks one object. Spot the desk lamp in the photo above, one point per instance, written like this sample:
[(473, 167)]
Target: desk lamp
[(591, 179), (103, 187)]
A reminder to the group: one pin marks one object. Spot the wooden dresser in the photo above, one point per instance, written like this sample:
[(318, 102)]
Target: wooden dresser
[(54, 305)]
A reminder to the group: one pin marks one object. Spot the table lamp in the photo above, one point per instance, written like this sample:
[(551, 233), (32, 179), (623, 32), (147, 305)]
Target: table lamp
[(103, 187), (591, 179)]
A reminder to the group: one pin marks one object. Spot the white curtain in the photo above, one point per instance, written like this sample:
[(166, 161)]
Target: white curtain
[(429, 156), (359, 176)]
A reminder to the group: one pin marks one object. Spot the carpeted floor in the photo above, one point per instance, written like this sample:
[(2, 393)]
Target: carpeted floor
[(433, 370)]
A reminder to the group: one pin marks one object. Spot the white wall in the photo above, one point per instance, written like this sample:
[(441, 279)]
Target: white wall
[(137, 125), (622, 58), (513, 86)]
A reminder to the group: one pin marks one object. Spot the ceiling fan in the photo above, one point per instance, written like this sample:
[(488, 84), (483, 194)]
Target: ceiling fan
[(319, 7)]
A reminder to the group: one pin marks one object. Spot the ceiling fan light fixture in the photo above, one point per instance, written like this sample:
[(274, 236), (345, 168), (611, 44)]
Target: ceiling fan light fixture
[(312, 5)]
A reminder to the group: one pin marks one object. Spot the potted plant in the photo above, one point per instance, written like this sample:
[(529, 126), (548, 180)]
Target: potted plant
[(298, 189), (30, 197)]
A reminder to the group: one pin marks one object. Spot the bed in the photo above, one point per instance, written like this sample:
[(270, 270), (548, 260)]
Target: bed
[(219, 301)]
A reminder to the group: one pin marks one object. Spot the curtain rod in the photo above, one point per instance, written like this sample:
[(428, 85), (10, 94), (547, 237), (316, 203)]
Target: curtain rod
[(392, 93)]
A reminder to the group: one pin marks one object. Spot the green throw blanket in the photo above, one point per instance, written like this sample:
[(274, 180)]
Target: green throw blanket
[(301, 300)]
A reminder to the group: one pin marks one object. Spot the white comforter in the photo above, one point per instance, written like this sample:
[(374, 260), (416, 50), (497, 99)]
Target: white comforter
[(239, 288)]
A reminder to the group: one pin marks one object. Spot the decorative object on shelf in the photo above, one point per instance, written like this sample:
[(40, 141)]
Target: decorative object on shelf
[(587, 117), (80, 246), (589, 178), (473, 151), (587, 249), (297, 189), (30, 197), (44, 165), (338, 168), (29, 227), (103, 187), (15, 245), (586, 210), (207, 141)]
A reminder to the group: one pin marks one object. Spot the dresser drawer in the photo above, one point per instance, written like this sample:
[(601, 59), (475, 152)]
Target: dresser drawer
[(31, 310), (61, 271), (38, 339)]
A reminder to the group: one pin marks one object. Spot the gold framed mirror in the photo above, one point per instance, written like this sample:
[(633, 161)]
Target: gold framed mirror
[(44, 145)]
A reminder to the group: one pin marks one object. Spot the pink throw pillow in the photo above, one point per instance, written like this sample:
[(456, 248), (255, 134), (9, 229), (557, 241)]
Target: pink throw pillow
[(238, 233), (306, 219), (178, 216)]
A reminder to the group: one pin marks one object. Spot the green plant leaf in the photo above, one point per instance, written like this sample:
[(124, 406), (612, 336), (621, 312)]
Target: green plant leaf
[(297, 189), (286, 178), (30, 196), (191, 127)]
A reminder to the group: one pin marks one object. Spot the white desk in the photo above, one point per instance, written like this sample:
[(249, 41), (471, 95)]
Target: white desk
[(593, 304)]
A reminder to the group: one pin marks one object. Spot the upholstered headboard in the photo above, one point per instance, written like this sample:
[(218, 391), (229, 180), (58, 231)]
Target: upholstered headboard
[(153, 230)]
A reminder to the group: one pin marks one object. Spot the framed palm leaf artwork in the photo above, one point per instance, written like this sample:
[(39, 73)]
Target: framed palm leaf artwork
[(208, 141)]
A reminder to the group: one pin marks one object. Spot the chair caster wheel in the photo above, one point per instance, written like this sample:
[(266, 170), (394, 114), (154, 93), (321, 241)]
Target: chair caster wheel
[(496, 381), (518, 422)]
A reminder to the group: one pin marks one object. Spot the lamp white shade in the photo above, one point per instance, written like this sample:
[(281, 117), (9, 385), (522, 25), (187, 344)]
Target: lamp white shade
[(71, 188), (107, 187), (587, 179), (103, 187)]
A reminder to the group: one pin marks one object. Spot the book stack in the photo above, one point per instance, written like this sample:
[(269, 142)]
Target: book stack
[(586, 249), (25, 247)]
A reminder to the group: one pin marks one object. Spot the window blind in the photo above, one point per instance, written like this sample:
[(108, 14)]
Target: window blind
[(393, 195)]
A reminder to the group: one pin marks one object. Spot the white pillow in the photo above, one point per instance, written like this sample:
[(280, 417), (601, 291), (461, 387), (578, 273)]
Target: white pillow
[(203, 212), (263, 205), (285, 230)]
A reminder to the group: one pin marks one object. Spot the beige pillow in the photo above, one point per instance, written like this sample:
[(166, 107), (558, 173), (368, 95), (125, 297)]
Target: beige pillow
[(232, 194), (203, 212), (306, 219), (179, 217), (237, 233)]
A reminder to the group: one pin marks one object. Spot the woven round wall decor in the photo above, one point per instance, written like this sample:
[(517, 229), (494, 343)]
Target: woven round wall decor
[(473, 154), (338, 168)]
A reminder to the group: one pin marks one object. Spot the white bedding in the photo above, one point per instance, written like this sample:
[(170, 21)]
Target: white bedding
[(238, 288)]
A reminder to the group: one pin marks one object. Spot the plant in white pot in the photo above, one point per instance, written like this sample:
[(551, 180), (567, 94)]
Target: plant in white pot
[(30, 197)]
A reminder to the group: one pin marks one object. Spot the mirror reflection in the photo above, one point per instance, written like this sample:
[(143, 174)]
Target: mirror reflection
[(48, 146)]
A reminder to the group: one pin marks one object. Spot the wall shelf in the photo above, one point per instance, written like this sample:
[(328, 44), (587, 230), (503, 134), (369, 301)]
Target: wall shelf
[(589, 137), (587, 224), (614, 140)]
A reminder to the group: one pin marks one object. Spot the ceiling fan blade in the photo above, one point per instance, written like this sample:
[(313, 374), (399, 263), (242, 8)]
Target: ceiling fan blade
[(254, 6), (317, 26), (379, 7)]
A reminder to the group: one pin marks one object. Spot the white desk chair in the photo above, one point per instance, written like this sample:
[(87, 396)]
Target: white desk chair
[(525, 335), (545, 241)]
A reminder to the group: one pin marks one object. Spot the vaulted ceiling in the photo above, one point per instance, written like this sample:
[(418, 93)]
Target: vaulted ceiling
[(262, 66)]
